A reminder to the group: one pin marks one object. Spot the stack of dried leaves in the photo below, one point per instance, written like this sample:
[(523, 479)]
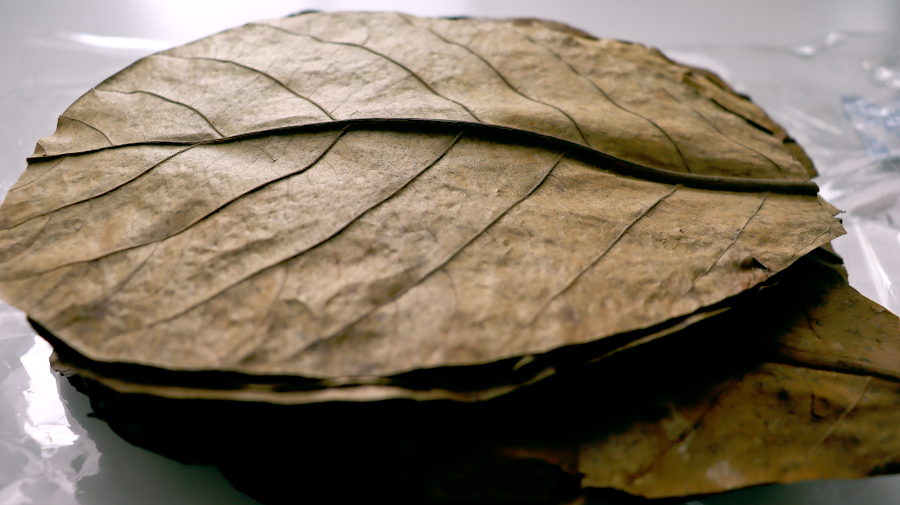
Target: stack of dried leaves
[(449, 260)]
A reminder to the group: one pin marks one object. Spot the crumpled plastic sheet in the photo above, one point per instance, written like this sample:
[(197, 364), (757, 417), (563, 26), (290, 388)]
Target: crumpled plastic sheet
[(43, 452), (840, 97)]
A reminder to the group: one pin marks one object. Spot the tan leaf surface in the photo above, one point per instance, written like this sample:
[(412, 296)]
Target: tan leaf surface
[(728, 403), (391, 251), (794, 415), (621, 98), (415, 193)]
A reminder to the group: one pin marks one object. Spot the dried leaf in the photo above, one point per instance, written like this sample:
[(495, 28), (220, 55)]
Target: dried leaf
[(459, 384), (730, 402), (794, 415), (620, 98), (325, 196)]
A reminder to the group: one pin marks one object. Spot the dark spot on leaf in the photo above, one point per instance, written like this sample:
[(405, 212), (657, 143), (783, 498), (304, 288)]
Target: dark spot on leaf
[(749, 261), (885, 469)]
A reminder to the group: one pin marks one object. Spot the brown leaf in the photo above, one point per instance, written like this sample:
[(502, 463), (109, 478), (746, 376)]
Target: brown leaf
[(407, 263), (620, 98), (790, 416), (320, 196), (728, 403)]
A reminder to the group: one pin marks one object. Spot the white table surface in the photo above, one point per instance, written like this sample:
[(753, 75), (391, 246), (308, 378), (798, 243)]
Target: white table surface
[(53, 453)]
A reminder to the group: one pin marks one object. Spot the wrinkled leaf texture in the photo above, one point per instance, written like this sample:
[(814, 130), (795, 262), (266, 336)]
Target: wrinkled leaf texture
[(354, 195), (799, 382)]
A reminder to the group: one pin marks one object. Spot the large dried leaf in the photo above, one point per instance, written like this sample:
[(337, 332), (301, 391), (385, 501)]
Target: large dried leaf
[(758, 395), (240, 203)]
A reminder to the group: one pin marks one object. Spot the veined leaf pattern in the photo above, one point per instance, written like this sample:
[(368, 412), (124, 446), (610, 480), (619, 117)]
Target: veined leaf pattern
[(359, 195), (809, 392)]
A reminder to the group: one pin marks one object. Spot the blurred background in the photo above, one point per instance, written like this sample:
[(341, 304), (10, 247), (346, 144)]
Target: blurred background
[(828, 70)]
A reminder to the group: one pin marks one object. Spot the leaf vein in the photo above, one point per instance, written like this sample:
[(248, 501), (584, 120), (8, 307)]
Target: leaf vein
[(379, 54), (202, 218), (609, 98), (37, 177), (508, 84), (601, 159), (322, 241), (167, 99), (685, 435), (259, 72), (30, 243), (92, 127), (596, 259), (730, 244), (850, 408), (438, 267), (724, 135), (104, 192)]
